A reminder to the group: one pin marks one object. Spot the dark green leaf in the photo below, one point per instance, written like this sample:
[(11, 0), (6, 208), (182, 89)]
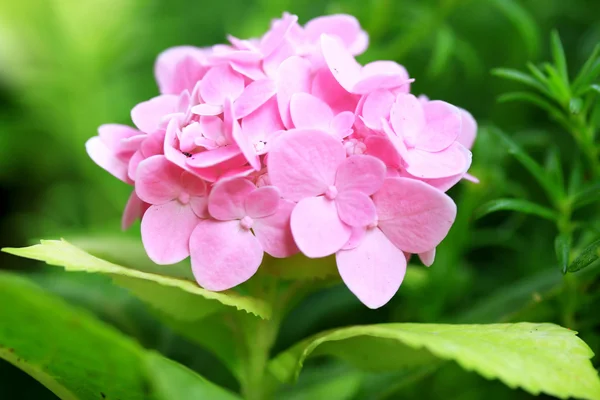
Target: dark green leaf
[(588, 72), (517, 76), (442, 51), (331, 382), (540, 175), (587, 256), (554, 168), (519, 205), (536, 357), (562, 248), (537, 100), (172, 381), (179, 297), (70, 352), (538, 74), (522, 21), (587, 195), (558, 56)]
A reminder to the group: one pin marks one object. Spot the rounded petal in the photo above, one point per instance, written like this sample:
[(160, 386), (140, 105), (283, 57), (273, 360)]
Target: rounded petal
[(210, 158), (377, 106), (158, 180), (468, 129), (452, 161), (179, 68), (341, 125), (374, 270), (219, 83), (427, 257), (382, 148), (293, 76), (317, 229), (273, 38), (361, 173), (443, 125), (262, 123), (341, 63), (303, 163), (413, 215), (407, 117), (381, 75), (308, 111), (254, 95), (227, 198), (134, 209), (325, 87), (148, 115), (246, 145), (356, 238), (121, 139), (274, 231), (106, 158), (262, 202), (345, 27), (355, 208), (223, 254), (166, 231)]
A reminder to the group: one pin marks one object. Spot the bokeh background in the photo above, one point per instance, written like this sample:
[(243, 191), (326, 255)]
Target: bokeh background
[(67, 66)]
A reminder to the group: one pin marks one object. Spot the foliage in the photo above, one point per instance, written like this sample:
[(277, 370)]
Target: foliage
[(524, 247)]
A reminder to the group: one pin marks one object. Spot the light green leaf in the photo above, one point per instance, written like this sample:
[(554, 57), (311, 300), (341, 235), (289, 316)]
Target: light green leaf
[(171, 381), (558, 56), (562, 248), (443, 50), (587, 256), (540, 358), (178, 297), (300, 267), (70, 352), (575, 105), (519, 205), (517, 76), (588, 72)]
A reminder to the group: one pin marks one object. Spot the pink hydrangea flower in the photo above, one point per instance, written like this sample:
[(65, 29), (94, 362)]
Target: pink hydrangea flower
[(285, 143)]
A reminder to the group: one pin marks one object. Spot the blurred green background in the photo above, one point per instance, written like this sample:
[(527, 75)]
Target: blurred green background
[(67, 66)]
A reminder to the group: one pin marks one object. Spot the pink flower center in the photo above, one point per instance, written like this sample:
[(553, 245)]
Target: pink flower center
[(373, 225), (331, 192), (246, 222), (259, 146), (184, 198)]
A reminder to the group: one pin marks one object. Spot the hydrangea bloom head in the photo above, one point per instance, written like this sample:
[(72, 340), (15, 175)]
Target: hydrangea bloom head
[(284, 144)]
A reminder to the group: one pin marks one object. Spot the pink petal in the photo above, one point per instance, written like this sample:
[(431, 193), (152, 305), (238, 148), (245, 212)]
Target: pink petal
[(449, 162), (274, 232), (120, 138), (106, 158), (374, 270), (273, 61), (250, 70), (397, 141), (158, 180), (356, 238), (326, 88), (273, 38), (355, 208), (471, 178), (253, 96), (303, 163), (134, 209), (223, 254), (382, 148), (200, 206), (413, 215), (246, 146), (211, 127), (468, 130), (220, 83), (345, 27), (308, 111), (293, 76), (443, 184), (317, 229), (442, 128), (341, 125), (381, 75), (407, 117), (193, 185), (262, 123), (179, 68), (227, 198), (341, 63), (377, 106), (166, 231), (427, 257), (262, 202), (210, 158), (207, 109), (361, 173), (148, 115)]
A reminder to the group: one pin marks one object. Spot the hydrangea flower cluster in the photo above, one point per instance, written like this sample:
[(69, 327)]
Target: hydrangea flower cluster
[(285, 143)]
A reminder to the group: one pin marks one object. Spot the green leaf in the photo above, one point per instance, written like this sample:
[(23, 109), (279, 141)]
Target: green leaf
[(331, 382), (540, 175), (523, 206), (442, 51), (558, 56), (562, 248), (588, 195), (536, 100), (178, 297), (522, 21), (70, 352), (586, 257), (540, 358), (588, 72), (170, 380), (517, 76), (300, 267), (554, 167)]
